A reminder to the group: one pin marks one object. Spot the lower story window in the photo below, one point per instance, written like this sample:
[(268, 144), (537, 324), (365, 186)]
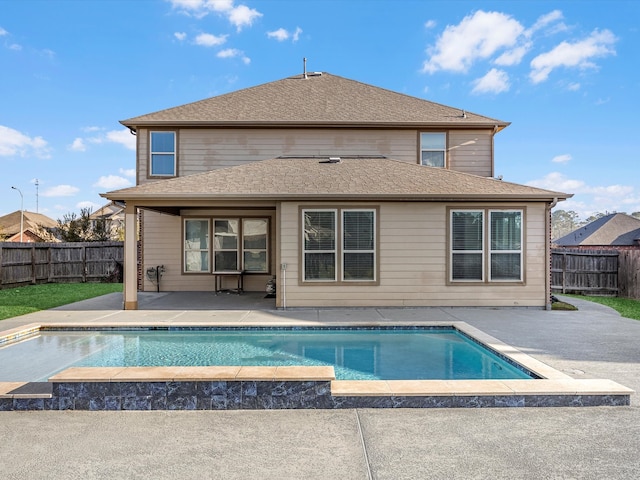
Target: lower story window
[(339, 245), (472, 242), (196, 245), (238, 244)]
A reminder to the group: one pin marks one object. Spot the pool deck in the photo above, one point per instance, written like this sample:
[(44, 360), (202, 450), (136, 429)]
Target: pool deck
[(270, 387), (595, 442)]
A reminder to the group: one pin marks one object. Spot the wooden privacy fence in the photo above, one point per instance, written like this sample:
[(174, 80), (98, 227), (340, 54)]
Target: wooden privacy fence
[(31, 263), (591, 272), (629, 273)]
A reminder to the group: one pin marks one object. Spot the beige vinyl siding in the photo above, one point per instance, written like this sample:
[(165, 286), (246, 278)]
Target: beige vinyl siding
[(163, 246), (201, 150), (413, 255), (470, 151)]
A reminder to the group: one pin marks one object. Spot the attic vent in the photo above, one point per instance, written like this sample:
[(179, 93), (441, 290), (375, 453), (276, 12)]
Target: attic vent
[(331, 160)]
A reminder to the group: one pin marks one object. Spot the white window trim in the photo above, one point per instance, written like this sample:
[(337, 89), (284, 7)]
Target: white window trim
[(345, 251), (174, 154), (185, 250), (243, 249), (334, 251), (463, 252), (443, 150), (520, 252)]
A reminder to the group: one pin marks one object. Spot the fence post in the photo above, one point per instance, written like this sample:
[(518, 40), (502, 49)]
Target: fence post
[(84, 264), (1, 263), (33, 265), (564, 272)]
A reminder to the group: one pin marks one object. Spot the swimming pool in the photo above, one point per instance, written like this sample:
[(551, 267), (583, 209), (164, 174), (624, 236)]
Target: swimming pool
[(394, 353)]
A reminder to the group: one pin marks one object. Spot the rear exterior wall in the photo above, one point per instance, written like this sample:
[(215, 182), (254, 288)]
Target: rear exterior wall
[(201, 150)]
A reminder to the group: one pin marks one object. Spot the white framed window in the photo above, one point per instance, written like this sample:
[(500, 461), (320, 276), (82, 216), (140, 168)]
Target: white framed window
[(319, 246), (255, 243), (339, 252), (196, 245), (226, 247), (433, 146), (162, 154), (358, 245), (505, 249), (472, 241), (467, 245)]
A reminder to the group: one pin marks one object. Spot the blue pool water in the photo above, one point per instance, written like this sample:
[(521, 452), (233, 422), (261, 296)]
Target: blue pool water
[(356, 354)]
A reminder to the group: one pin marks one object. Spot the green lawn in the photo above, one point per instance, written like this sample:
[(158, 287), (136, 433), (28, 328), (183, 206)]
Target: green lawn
[(626, 307), (32, 298)]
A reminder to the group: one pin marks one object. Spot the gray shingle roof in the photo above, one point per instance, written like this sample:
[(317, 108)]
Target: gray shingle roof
[(615, 229), (352, 178), (324, 99)]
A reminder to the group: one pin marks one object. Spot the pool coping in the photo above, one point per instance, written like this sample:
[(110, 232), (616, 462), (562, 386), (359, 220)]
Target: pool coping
[(553, 388)]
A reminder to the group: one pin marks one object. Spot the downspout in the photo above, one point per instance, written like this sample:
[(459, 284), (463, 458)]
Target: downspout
[(548, 209)]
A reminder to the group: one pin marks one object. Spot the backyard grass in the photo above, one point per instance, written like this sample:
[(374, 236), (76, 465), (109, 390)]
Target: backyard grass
[(626, 307), (32, 298)]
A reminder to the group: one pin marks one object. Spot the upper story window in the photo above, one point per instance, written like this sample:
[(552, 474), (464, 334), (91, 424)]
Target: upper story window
[(163, 154), (433, 149)]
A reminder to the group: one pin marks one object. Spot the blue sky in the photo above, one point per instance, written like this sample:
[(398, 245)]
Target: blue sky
[(564, 73)]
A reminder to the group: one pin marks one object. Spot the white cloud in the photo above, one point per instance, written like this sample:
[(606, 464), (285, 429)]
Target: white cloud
[(495, 81), (559, 182), (281, 34), (78, 145), (477, 36), (564, 158), (180, 35), (209, 40), (232, 53), (430, 24), (128, 172), (573, 86), (15, 46), (92, 206), (112, 182), (3, 32), (60, 191), (573, 55), (13, 142), (513, 56), (243, 16), (91, 129), (239, 16), (123, 137), (545, 20)]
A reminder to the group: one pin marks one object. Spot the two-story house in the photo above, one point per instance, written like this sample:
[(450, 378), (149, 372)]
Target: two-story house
[(347, 194)]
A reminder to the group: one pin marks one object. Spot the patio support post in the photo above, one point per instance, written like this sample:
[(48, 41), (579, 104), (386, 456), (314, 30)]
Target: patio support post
[(130, 258)]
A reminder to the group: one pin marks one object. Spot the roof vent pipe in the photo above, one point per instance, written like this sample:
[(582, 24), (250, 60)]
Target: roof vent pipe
[(304, 68)]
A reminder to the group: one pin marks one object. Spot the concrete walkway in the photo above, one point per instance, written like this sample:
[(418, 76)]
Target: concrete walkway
[(513, 443)]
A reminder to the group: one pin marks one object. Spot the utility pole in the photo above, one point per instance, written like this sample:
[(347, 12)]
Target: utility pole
[(21, 212)]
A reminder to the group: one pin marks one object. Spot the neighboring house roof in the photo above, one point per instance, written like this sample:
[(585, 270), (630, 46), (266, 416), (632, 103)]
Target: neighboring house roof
[(615, 229), (110, 211), (317, 100), (350, 178), (10, 223)]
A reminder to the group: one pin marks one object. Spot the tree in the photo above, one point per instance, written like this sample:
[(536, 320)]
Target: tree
[(563, 222), (83, 229), (636, 214)]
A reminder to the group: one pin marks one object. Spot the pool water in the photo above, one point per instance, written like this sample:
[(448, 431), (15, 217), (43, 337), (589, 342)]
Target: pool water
[(356, 354)]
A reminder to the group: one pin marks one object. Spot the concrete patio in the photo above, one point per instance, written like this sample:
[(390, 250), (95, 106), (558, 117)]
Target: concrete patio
[(591, 442)]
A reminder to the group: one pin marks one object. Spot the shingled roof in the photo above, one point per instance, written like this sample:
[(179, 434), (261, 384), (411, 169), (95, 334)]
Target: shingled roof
[(322, 179), (317, 99), (615, 229)]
